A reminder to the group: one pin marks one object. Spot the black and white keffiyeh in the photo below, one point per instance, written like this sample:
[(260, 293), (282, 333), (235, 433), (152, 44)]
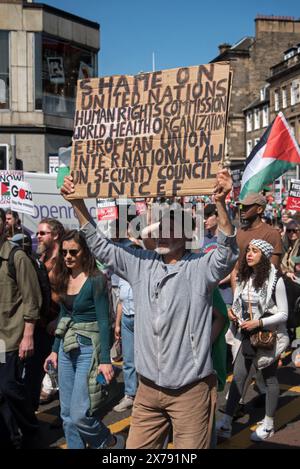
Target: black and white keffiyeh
[(265, 247)]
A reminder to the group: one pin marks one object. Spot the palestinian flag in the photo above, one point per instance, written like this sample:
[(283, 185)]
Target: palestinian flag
[(4, 189), (275, 153)]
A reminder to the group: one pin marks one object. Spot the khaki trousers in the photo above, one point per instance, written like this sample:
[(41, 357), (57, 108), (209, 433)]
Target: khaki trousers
[(190, 409)]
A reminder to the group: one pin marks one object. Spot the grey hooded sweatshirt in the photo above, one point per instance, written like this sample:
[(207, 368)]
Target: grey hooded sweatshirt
[(173, 305)]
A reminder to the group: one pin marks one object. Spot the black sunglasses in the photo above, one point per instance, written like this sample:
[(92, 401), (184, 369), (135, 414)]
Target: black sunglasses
[(72, 252), (246, 207), (292, 230), (42, 233)]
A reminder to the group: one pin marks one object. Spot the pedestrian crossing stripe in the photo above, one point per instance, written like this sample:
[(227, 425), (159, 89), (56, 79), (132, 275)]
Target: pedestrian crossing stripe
[(62, 446), (120, 426), (288, 387)]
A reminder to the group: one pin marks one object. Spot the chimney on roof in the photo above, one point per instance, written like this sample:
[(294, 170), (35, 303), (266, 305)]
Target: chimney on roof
[(224, 47), (275, 24), (275, 18)]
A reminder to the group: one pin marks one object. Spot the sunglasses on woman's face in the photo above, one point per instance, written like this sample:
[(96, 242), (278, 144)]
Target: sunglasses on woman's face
[(72, 252), (292, 230)]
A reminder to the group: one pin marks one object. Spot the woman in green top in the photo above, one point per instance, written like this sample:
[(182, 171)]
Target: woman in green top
[(82, 345)]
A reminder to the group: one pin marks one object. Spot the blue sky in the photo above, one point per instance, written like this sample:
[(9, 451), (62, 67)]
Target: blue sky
[(179, 32)]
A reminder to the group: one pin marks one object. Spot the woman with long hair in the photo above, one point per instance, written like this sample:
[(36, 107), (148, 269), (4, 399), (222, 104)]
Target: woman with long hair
[(260, 302), (291, 242), (81, 349)]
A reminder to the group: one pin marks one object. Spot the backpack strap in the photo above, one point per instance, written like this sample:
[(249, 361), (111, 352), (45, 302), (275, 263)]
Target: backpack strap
[(11, 262)]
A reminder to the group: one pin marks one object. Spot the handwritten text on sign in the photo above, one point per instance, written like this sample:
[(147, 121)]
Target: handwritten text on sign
[(153, 134)]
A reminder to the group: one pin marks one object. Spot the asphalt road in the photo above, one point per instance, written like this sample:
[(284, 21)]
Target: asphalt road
[(287, 418)]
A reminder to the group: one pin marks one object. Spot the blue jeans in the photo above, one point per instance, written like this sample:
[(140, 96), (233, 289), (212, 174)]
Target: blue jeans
[(130, 378), (79, 428)]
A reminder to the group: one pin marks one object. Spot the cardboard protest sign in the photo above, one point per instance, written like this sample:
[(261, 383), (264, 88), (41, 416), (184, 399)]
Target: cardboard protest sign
[(21, 197), (293, 200), (153, 134), (5, 178)]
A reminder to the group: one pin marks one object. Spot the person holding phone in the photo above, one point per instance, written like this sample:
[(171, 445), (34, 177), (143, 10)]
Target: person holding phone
[(81, 349)]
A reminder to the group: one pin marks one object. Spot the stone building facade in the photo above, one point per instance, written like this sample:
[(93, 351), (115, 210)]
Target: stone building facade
[(43, 52), (284, 82), (251, 60), (282, 93)]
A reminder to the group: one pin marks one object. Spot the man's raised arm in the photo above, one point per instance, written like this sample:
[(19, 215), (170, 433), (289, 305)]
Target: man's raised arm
[(78, 204), (223, 187), (221, 260)]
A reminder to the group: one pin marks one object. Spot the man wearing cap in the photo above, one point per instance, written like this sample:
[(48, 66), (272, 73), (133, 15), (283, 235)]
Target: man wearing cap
[(252, 227), (172, 291)]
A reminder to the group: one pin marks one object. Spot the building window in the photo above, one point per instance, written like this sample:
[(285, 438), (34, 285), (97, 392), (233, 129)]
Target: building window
[(58, 66), (256, 119), (290, 53), (249, 147), (249, 123), (295, 92), (284, 97), (263, 93), (38, 72), (4, 70), (265, 114), (276, 100)]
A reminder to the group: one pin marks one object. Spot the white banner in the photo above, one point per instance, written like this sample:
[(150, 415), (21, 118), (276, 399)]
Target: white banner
[(21, 197)]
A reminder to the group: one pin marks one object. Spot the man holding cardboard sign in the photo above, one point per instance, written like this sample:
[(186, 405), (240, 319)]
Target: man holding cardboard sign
[(172, 290)]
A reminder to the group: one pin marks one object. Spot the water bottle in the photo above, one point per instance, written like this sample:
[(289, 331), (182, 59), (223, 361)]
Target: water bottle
[(64, 165), (52, 375)]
